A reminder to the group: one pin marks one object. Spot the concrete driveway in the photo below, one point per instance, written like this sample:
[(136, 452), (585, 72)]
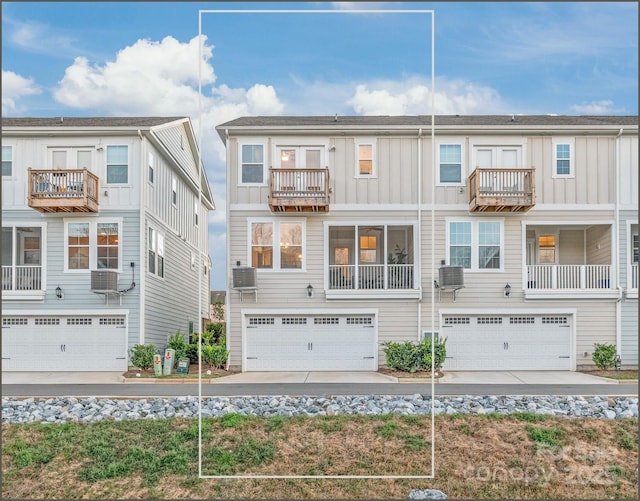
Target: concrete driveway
[(459, 377)]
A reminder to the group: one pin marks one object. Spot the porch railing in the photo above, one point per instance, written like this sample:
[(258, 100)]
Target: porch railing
[(569, 276), (496, 189), (371, 276), (634, 276), (21, 278), (299, 189)]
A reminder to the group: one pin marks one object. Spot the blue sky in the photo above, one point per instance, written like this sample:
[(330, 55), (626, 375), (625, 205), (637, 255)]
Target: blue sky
[(141, 58)]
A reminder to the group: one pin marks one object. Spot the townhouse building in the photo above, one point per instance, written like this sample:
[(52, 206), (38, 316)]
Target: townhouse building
[(104, 239), (513, 237)]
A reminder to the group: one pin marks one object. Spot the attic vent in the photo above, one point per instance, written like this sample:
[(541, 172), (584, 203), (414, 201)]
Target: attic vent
[(451, 277), (104, 281)]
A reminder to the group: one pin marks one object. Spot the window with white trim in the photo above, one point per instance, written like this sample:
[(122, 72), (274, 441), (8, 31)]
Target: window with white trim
[(195, 213), (563, 157), (300, 157), (277, 245), (450, 164), (155, 247), (252, 164), (151, 168), (365, 158), (7, 161), (117, 164), (93, 245), (174, 191), (475, 245)]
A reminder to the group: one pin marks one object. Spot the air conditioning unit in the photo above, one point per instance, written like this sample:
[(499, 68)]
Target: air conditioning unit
[(451, 277), (244, 278), (104, 280)]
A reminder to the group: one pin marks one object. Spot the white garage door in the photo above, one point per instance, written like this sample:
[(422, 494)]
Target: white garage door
[(69, 343), (507, 342), (311, 343)]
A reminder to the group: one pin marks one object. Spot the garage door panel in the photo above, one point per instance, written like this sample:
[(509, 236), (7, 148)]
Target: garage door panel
[(78, 343), (523, 342), (303, 343)]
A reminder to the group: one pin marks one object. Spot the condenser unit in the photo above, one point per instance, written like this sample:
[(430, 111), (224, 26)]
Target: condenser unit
[(244, 278), (451, 277), (104, 281)]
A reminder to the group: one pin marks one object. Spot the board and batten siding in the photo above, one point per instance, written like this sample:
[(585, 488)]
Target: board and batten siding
[(628, 181), (171, 302)]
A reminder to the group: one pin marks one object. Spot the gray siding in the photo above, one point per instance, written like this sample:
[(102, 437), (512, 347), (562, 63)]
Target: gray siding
[(629, 319)]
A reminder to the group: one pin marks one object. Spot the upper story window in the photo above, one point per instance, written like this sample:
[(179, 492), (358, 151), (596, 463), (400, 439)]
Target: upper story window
[(151, 168), (93, 245), (195, 213), (497, 157), (450, 164), (117, 164), (299, 157), (277, 245), (22, 261), (174, 191), (7, 160), (634, 249), (155, 247), (365, 158), (475, 245), (252, 164), (563, 157)]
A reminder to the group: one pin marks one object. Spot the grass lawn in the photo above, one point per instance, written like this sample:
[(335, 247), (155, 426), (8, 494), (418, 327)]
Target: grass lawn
[(614, 374), (523, 456)]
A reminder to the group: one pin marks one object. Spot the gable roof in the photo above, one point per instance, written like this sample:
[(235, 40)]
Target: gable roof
[(87, 121)]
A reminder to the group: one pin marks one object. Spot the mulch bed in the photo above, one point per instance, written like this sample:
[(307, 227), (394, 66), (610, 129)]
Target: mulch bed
[(193, 372)]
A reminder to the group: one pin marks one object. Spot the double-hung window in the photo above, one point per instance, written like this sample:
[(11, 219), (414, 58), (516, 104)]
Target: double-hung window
[(93, 245), (475, 245), (155, 247), (365, 157), (7, 161), (563, 157), (151, 168), (277, 245), (117, 164), (450, 164), (252, 164)]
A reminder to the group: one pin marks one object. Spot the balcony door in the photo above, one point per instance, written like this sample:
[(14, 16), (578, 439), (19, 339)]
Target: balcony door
[(298, 158), (70, 158), (498, 157)]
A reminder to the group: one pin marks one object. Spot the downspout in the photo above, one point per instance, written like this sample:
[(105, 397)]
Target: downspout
[(142, 233), (227, 296), (420, 231), (616, 248)]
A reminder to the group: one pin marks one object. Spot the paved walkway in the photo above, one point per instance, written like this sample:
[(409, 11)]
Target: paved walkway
[(459, 377)]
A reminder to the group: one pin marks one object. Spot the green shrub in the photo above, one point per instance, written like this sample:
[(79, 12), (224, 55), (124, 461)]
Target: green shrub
[(439, 352), (215, 332), (604, 356), (214, 356), (191, 352), (141, 355), (178, 343), (402, 356)]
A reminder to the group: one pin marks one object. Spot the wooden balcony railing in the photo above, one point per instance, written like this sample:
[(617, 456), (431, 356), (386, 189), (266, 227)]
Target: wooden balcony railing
[(69, 190), (299, 190), (569, 276), (501, 190)]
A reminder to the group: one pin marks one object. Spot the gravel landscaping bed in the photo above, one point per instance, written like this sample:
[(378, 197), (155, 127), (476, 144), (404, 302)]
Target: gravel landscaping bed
[(69, 409)]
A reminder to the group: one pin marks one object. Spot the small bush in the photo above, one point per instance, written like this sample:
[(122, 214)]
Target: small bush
[(402, 356), (191, 352), (439, 352), (214, 356), (604, 356), (178, 343), (141, 355), (215, 333)]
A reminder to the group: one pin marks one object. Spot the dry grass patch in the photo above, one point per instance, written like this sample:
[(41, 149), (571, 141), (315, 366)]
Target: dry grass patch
[(477, 457)]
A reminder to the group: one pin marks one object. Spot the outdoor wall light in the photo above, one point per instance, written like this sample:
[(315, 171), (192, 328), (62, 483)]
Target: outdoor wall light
[(58, 292), (309, 290), (507, 290)]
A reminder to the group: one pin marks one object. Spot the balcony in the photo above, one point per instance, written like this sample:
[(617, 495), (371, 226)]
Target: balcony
[(69, 190), (569, 280), (299, 190), (501, 190), (21, 278), (371, 277)]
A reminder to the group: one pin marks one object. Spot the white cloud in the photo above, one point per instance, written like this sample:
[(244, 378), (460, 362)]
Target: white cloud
[(41, 38), (602, 107), (14, 87), (413, 97)]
